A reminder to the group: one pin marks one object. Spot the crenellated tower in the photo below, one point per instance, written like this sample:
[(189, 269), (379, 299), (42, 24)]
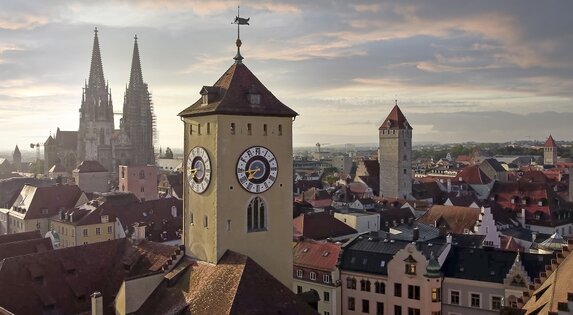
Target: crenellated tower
[(96, 114), (138, 118)]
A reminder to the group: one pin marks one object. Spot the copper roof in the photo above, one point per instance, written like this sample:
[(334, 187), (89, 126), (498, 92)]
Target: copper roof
[(550, 143), (236, 285), (61, 281), (395, 120), (229, 96), (316, 255)]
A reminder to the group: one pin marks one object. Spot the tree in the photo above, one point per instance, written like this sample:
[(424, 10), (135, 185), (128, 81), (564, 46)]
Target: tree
[(168, 153)]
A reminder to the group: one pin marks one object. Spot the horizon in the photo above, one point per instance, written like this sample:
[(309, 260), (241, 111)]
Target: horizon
[(485, 73)]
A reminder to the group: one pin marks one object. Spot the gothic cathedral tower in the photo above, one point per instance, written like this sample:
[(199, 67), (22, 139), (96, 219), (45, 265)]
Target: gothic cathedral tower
[(96, 115), (238, 187), (395, 156), (138, 116)]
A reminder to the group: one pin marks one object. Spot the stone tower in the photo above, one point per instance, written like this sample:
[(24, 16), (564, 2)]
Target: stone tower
[(550, 152), (395, 155), (138, 116), (96, 115), (17, 159), (238, 187), (50, 154)]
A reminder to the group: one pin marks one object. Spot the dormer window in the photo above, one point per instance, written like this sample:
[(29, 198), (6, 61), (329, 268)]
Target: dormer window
[(388, 124), (410, 267), (208, 94), (254, 96)]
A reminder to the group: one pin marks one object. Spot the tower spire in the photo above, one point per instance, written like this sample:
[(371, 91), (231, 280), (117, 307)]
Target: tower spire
[(136, 76), (96, 69), (239, 21)]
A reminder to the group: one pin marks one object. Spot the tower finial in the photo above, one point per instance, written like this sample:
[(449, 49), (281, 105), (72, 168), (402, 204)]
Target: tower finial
[(95, 30), (239, 21)]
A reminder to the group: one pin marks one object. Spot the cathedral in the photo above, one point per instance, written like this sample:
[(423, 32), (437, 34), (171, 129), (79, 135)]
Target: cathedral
[(97, 139)]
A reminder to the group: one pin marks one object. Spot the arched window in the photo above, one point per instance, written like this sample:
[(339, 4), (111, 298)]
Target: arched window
[(256, 216), (141, 174)]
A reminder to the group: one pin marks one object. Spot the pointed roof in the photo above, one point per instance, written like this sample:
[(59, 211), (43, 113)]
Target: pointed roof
[(16, 151), (395, 120), (230, 95), (550, 143), (96, 69), (136, 76), (50, 141)]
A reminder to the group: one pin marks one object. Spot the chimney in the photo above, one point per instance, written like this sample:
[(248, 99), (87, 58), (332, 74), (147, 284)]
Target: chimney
[(522, 218), (139, 231), (449, 185), (415, 234), (449, 238), (97, 303), (174, 211)]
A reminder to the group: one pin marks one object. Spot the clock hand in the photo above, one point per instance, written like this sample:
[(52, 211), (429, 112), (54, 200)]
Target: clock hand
[(252, 173), (193, 171)]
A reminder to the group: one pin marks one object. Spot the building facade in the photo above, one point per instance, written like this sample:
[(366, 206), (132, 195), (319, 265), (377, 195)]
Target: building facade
[(550, 151), (139, 180), (395, 156)]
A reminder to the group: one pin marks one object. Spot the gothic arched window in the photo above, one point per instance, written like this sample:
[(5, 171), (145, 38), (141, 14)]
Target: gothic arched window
[(256, 216)]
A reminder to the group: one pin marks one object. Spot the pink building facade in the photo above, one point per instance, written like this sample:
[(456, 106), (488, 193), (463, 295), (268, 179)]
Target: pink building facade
[(139, 180)]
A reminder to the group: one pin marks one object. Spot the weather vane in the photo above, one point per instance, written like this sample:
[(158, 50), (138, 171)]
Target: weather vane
[(239, 21)]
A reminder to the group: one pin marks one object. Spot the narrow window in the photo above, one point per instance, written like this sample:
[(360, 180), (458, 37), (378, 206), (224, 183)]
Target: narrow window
[(190, 129), (326, 296), (280, 130), (351, 302), (98, 231), (208, 128), (190, 217), (299, 273), (232, 128), (264, 129), (205, 222), (256, 215), (249, 129), (228, 225), (365, 306), (199, 129)]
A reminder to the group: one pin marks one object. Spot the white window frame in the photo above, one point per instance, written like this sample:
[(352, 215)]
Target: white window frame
[(326, 278), (470, 299), (459, 297), (299, 273), (491, 301), (312, 275)]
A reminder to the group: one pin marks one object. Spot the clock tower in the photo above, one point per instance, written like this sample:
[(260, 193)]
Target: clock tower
[(238, 173)]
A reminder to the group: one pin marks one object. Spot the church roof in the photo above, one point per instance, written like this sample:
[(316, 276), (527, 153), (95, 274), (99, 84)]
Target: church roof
[(230, 96), (550, 143), (395, 120), (67, 139), (16, 151), (96, 78), (50, 141)]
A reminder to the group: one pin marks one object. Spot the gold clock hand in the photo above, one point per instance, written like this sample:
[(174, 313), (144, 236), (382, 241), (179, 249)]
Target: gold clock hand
[(251, 173)]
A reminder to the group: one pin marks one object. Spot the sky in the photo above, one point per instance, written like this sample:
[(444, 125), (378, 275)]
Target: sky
[(486, 71)]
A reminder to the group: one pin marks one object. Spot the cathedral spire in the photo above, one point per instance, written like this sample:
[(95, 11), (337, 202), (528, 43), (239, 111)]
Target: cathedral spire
[(96, 69), (135, 77)]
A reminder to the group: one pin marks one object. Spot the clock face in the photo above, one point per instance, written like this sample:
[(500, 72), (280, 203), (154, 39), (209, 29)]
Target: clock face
[(198, 169), (257, 169)]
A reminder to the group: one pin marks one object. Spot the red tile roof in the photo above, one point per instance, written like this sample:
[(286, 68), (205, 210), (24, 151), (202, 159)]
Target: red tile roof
[(320, 226), (24, 236), (316, 255), (61, 281), (230, 95), (52, 198), (455, 219), (395, 120), (236, 285), (473, 175), (550, 143), (90, 167), (25, 247)]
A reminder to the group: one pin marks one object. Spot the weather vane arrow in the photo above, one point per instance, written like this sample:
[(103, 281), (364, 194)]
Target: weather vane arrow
[(239, 21)]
